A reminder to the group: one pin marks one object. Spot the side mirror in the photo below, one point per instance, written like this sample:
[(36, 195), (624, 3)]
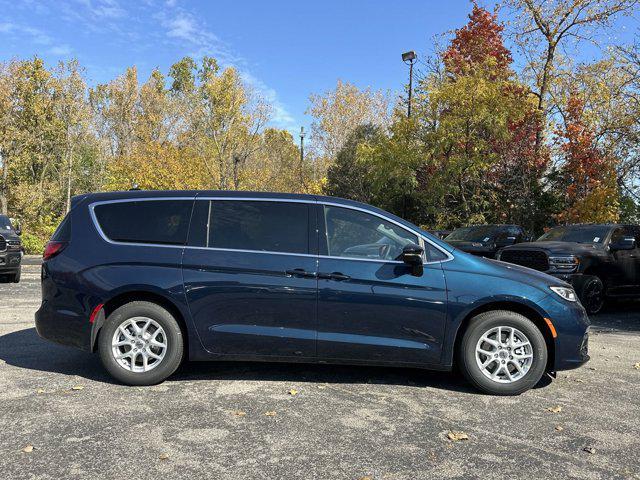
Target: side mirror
[(412, 256), (628, 243), (18, 230), (505, 242)]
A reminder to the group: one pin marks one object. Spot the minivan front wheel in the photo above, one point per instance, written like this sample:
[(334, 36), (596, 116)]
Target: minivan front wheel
[(140, 343), (503, 353)]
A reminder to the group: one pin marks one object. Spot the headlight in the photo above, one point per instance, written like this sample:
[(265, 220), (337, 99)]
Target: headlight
[(567, 293), (564, 263)]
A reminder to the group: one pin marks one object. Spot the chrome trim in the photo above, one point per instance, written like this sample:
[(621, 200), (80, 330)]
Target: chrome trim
[(257, 199), (248, 251)]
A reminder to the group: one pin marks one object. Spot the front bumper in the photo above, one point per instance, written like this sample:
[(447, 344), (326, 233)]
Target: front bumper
[(10, 262), (572, 326)]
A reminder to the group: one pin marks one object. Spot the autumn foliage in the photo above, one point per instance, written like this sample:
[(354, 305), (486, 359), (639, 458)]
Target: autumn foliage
[(477, 42), (591, 189)]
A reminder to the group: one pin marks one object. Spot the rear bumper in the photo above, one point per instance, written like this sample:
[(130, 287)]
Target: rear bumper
[(63, 326)]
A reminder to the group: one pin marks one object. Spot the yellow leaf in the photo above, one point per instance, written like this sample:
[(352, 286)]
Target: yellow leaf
[(77, 387), (293, 392), (28, 449), (556, 409), (163, 456), (270, 414), (40, 390), (456, 436), (239, 413), (637, 366), (559, 428)]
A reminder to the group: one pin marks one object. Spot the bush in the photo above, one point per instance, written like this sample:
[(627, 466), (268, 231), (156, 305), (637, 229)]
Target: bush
[(32, 244)]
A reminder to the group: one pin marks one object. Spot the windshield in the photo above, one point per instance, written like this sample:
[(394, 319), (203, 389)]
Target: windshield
[(482, 233), (5, 223), (577, 234)]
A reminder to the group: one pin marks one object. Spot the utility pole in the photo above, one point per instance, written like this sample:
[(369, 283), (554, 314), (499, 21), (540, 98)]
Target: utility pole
[(410, 58), (302, 134)]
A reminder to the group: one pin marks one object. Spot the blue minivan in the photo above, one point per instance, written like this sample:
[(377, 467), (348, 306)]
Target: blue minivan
[(148, 279)]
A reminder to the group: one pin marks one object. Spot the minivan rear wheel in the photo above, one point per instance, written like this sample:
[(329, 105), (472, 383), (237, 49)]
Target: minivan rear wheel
[(141, 343), (502, 353)]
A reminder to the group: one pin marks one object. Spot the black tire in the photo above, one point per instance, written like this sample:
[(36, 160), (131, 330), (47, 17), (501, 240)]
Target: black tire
[(174, 343), (483, 323), (15, 278), (592, 294)]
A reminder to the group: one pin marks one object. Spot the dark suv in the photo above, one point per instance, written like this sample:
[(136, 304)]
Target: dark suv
[(10, 250), (149, 278), (598, 260), (486, 240)]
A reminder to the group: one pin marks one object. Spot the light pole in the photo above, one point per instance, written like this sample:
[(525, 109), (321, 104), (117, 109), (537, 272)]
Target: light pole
[(410, 58), (302, 134)]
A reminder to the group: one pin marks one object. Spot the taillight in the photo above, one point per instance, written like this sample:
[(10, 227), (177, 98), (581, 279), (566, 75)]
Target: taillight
[(51, 249)]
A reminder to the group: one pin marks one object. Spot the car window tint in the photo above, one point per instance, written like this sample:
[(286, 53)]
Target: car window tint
[(152, 221), (617, 235), (262, 226), (355, 234)]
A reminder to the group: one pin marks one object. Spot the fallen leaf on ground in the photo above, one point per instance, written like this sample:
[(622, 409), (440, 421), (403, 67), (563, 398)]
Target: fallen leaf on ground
[(592, 368), (77, 387), (163, 456), (270, 414), (239, 413), (40, 390), (293, 392), (456, 436), (637, 366), (589, 450), (559, 428), (366, 478), (556, 409), (28, 449)]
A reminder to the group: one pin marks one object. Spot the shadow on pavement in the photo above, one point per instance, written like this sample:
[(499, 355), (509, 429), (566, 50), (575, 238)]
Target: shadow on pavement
[(25, 349), (618, 316)]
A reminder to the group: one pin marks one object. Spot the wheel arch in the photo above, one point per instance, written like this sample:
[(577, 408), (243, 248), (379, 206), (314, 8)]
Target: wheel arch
[(513, 306), (125, 297)]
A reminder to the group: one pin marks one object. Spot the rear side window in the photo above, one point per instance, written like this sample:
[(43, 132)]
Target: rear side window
[(251, 225), (164, 222)]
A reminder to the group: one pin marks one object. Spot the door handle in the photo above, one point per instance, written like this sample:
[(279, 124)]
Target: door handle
[(334, 276), (300, 272)]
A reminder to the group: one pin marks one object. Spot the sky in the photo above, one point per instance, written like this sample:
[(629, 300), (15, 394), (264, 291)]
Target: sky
[(286, 50)]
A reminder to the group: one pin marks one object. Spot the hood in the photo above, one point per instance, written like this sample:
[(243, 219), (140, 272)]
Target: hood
[(495, 268), (556, 247), (468, 246), (9, 234)]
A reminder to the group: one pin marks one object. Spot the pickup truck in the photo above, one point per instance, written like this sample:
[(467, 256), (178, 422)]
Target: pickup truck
[(600, 261), (486, 240), (10, 250)]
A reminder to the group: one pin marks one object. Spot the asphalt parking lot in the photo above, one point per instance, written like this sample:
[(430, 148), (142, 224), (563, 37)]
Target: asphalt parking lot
[(231, 421)]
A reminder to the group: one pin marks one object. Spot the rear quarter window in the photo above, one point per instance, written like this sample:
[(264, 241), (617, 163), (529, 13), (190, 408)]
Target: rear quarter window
[(162, 222)]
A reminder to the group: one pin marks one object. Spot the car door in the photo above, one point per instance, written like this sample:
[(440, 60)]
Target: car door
[(370, 307), (622, 274), (249, 275)]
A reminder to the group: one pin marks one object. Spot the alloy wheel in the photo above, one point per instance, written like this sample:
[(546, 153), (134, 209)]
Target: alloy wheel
[(504, 354), (139, 344), (593, 297)]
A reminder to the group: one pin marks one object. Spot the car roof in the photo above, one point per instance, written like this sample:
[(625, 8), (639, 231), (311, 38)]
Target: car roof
[(133, 194)]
